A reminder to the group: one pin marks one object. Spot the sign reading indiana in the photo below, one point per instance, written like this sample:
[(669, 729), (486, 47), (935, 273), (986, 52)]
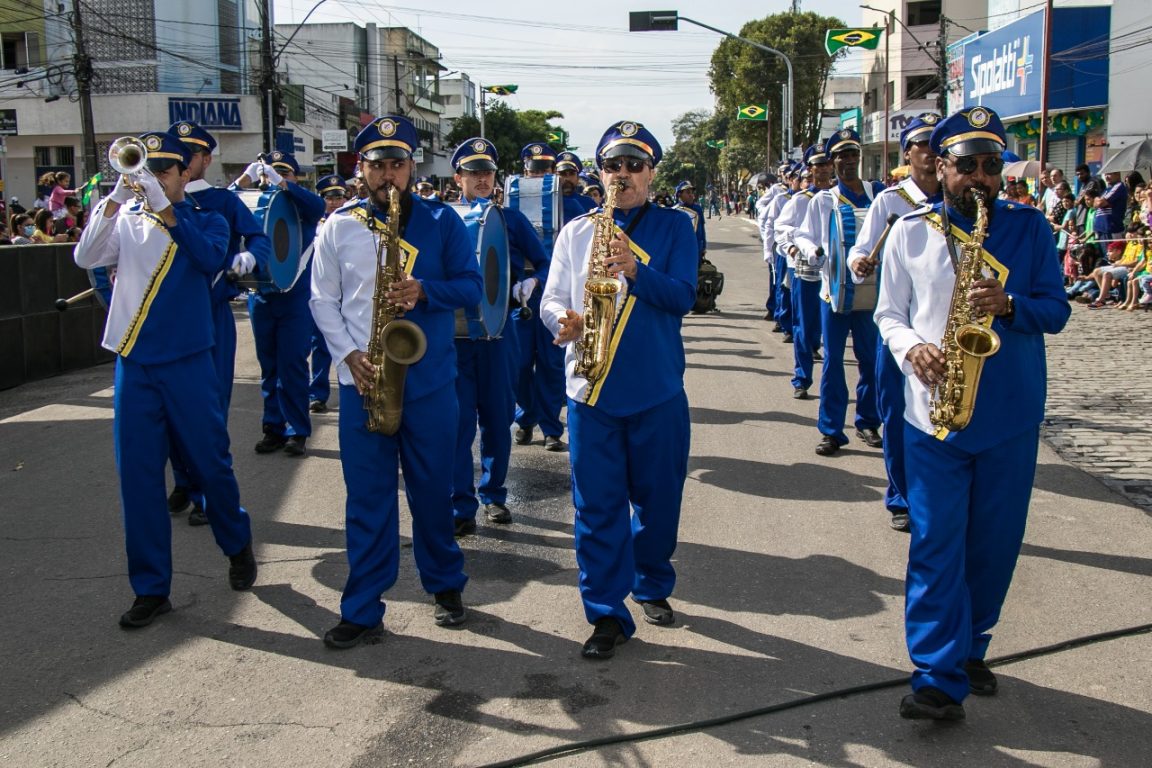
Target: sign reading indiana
[(866, 37), (214, 114), (752, 112)]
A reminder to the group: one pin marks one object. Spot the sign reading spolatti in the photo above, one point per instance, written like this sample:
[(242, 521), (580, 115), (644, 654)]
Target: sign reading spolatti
[(213, 114)]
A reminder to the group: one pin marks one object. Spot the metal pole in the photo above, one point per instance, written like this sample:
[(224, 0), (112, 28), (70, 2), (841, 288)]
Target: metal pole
[(768, 134), (83, 66), (1047, 59), (267, 76), (887, 75), (482, 102)]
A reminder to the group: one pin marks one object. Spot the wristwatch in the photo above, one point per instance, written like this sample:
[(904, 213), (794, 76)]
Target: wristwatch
[(1010, 308)]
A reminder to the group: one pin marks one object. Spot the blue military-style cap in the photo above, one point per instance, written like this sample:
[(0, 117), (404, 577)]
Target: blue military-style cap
[(424, 183), (538, 156), (164, 149), (683, 186), (843, 140), (284, 161), (331, 185), (628, 138), (197, 139), (814, 155), (475, 154), (919, 129), (391, 137), (973, 131), (590, 182), (568, 161)]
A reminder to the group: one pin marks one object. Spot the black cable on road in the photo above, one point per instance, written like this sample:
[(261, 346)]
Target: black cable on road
[(699, 725)]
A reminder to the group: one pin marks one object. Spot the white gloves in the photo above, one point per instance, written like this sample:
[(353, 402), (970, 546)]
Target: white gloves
[(258, 168), (243, 263), (522, 291), (253, 172), (273, 177), (153, 192), (122, 194)]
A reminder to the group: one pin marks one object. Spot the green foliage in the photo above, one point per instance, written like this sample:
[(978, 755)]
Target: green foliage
[(689, 158), (509, 130)]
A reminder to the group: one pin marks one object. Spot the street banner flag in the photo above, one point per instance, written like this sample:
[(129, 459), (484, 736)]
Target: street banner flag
[(501, 90), (557, 136), (753, 112), (715, 143), (867, 37)]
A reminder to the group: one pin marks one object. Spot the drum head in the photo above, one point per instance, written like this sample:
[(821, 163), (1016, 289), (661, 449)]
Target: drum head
[(492, 253), (101, 279), (539, 199), (282, 225), (839, 283)]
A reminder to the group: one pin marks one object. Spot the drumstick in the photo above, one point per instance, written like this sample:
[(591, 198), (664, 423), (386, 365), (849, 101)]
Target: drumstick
[(63, 304), (874, 257)]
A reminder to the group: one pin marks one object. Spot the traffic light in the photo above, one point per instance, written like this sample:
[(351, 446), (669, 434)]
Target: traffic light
[(652, 21)]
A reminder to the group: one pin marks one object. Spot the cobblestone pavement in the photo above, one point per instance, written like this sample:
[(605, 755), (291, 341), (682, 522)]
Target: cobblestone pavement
[(1099, 414)]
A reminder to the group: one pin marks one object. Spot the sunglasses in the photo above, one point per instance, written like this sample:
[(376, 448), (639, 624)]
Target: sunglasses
[(966, 166), (615, 164)]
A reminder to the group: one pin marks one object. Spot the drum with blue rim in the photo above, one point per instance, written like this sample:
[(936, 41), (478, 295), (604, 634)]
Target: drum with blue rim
[(277, 215), (540, 199), (486, 226)]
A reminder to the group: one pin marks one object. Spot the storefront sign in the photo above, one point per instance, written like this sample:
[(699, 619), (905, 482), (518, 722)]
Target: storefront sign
[(213, 114), (8, 122)]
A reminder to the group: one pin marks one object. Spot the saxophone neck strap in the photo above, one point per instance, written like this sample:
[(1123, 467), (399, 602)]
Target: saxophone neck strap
[(636, 219), (950, 239)]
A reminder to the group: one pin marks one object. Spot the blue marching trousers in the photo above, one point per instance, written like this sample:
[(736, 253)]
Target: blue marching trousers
[(773, 278), (319, 388), (806, 303), (540, 381), (968, 514), (833, 386), (484, 375), (890, 398), (783, 313), (424, 446), (155, 404), (627, 484), (282, 327), (224, 357)]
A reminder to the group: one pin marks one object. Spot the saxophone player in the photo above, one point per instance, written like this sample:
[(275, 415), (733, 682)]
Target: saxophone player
[(968, 490), (440, 274), (627, 422)]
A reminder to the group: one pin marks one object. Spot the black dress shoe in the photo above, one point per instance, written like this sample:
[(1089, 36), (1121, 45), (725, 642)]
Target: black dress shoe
[(197, 516), (900, 522), (827, 446), (657, 612), (242, 569), (348, 635), (271, 442), (465, 526), (178, 500), (449, 609), (799, 393), (605, 637), (552, 443), (930, 703), (318, 406), (297, 445), (523, 435), (981, 681), (144, 609), (787, 338), (497, 513), (776, 327), (871, 437), (817, 356)]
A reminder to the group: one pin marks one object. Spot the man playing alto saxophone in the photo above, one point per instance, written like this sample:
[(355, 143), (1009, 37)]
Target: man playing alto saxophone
[(627, 412), (968, 490), (440, 274)]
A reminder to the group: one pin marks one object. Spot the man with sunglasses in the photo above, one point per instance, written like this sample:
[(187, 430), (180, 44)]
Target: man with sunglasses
[(629, 429), (968, 490), (919, 189)]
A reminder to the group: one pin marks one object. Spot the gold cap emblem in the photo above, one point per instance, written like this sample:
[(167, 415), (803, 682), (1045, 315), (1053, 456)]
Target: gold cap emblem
[(152, 143), (629, 129), (979, 117), (184, 129), (845, 134), (536, 149), (386, 127), (479, 145), (929, 118)]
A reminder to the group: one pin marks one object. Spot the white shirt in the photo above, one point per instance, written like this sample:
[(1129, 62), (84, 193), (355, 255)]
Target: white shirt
[(885, 204), (813, 232), (791, 216), (567, 273)]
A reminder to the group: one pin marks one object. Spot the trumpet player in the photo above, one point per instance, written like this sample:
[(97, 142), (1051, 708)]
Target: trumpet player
[(627, 421), (968, 487), (440, 275), (160, 327)]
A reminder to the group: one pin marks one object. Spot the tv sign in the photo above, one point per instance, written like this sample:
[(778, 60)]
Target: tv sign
[(213, 114)]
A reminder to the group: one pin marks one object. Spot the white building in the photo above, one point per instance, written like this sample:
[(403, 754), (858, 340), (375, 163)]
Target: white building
[(842, 93), (1129, 118)]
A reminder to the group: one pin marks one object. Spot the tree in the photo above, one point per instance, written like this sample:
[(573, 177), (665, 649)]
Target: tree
[(743, 74), (689, 158), (509, 130)]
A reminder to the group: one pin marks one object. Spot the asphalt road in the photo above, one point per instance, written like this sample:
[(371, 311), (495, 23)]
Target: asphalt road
[(790, 584)]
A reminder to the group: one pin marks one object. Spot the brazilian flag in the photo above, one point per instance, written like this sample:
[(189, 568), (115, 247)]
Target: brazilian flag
[(501, 90), (88, 188), (715, 143), (865, 37), (752, 112)]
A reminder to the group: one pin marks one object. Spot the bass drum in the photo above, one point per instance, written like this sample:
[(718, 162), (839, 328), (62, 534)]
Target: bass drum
[(540, 200), (486, 226), (102, 279), (845, 294), (277, 215)]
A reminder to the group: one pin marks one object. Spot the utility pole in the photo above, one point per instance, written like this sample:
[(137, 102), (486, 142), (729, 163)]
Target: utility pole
[(889, 27), (942, 66), (82, 63), (396, 83), (267, 77), (1042, 150)]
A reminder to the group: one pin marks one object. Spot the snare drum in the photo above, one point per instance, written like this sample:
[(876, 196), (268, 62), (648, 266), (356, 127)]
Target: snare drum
[(490, 234), (277, 215), (541, 201)]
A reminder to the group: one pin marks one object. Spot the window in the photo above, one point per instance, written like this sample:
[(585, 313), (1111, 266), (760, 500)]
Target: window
[(19, 50), (65, 155), (923, 12), (920, 87), (43, 155)]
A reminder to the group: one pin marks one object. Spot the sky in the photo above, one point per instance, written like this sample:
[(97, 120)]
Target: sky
[(583, 63)]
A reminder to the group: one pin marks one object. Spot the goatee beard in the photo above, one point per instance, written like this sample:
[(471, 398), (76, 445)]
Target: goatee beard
[(966, 206)]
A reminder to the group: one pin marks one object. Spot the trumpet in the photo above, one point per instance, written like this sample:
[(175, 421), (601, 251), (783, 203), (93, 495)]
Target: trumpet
[(128, 156)]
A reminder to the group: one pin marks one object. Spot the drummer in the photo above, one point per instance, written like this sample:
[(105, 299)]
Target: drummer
[(335, 194), (282, 323), (252, 256)]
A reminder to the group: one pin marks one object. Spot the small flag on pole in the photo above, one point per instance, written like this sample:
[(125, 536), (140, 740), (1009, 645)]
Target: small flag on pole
[(556, 136), (867, 37), (715, 143), (91, 186), (753, 112), (501, 90)]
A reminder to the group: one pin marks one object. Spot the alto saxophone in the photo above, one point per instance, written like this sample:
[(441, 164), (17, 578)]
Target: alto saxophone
[(394, 343), (967, 342), (600, 292)]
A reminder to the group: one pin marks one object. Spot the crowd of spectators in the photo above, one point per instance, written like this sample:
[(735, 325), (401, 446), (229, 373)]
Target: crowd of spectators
[(57, 216)]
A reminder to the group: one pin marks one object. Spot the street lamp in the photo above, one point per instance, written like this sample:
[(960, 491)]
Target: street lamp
[(666, 21)]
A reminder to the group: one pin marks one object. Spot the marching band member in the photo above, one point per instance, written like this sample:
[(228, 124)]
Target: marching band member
[(968, 491), (591, 188), (782, 288), (568, 167), (335, 194), (242, 225), (848, 199), (160, 326), (485, 367), (804, 278), (425, 189), (766, 225), (686, 202), (540, 381), (281, 324), (920, 188), (629, 428), (441, 275)]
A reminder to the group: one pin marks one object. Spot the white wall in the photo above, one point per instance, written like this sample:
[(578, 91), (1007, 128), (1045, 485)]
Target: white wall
[(1129, 108)]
